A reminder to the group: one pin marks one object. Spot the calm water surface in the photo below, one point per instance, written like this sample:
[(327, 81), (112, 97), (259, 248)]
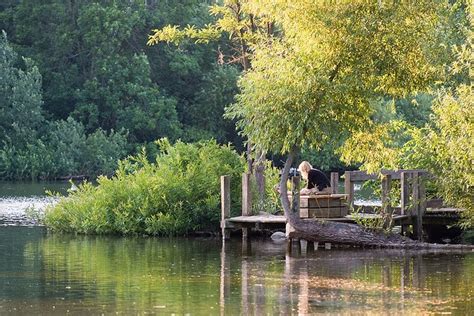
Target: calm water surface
[(53, 274)]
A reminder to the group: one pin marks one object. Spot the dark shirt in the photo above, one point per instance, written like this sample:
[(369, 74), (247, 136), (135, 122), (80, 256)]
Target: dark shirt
[(317, 178)]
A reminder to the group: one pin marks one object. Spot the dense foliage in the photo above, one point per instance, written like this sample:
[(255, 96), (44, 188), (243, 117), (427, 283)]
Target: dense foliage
[(33, 147), (176, 194), (441, 142), (87, 60), (309, 88), (446, 148)]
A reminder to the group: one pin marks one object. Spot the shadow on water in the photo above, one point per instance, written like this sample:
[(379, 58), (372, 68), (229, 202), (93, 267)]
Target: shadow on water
[(45, 273)]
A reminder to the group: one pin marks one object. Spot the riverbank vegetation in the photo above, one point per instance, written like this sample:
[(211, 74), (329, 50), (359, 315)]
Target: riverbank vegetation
[(178, 193)]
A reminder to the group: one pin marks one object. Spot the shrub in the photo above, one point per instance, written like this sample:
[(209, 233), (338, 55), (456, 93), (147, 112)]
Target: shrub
[(177, 194)]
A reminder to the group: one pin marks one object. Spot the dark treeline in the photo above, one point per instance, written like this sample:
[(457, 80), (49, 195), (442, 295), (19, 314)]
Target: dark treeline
[(80, 89)]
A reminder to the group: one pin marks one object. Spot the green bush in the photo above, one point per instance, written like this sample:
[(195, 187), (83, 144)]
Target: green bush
[(177, 194)]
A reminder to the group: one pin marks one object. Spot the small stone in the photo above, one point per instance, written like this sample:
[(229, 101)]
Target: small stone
[(278, 236)]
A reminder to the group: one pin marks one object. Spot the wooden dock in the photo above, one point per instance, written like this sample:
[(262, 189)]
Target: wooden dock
[(445, 216), (414, 210)]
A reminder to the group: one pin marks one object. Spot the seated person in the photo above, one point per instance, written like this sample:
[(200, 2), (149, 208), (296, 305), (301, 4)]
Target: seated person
[(317, 182)]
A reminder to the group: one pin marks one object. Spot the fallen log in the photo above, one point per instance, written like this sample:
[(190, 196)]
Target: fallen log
[(344, 233)]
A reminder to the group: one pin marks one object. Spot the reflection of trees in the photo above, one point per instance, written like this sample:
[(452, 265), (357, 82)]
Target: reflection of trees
[(135, 275), (18, 261), (363, 281)]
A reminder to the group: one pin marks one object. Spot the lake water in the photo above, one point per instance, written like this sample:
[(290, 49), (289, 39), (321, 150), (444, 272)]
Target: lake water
[(55, 274)]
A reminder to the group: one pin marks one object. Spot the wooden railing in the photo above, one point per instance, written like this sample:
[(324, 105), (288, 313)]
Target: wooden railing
[(412, 185)]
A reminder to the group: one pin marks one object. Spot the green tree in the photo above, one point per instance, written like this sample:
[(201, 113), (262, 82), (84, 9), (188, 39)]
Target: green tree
[(96, 67), (440, 142), (316, 83), (205, 115), (237, 20), (20, 96), (121, 95), (20, 108)]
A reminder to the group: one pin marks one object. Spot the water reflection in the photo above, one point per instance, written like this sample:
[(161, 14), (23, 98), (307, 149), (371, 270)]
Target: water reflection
[(355, 281), (54, 274)]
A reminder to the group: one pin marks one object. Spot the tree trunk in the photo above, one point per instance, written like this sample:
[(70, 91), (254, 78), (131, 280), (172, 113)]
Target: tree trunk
[(343, 233)]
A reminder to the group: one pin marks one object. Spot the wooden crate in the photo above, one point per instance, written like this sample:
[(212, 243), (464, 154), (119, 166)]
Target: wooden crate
[(323, 206)]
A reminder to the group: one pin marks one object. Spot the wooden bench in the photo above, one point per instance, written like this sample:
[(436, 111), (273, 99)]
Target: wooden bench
[(323, 206)]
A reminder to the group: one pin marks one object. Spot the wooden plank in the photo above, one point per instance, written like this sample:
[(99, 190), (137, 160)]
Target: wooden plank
[(304, 212), (443, 210), (304, 201), (328, 212), (359, 176), (225, 205), (339, 195), (325, 203), (259, 218), (322, 196)]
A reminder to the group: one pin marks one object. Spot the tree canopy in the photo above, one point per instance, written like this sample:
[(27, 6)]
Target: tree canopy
[(96, 69), (317, 80)]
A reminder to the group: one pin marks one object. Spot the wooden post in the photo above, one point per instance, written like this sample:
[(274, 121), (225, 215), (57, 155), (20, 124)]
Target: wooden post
[(334, 182), (246, 195), (386, 207), (404, 195), (422, 199), (349, 189), (225, 205), (246, 200), (417, 204), (405, 192), (289, 245), (295, 207)]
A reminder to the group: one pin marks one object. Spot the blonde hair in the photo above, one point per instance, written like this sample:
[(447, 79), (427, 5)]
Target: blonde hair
[(304, 168)]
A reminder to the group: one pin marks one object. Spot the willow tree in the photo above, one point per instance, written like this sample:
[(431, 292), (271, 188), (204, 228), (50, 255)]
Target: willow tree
[(317, 80)]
